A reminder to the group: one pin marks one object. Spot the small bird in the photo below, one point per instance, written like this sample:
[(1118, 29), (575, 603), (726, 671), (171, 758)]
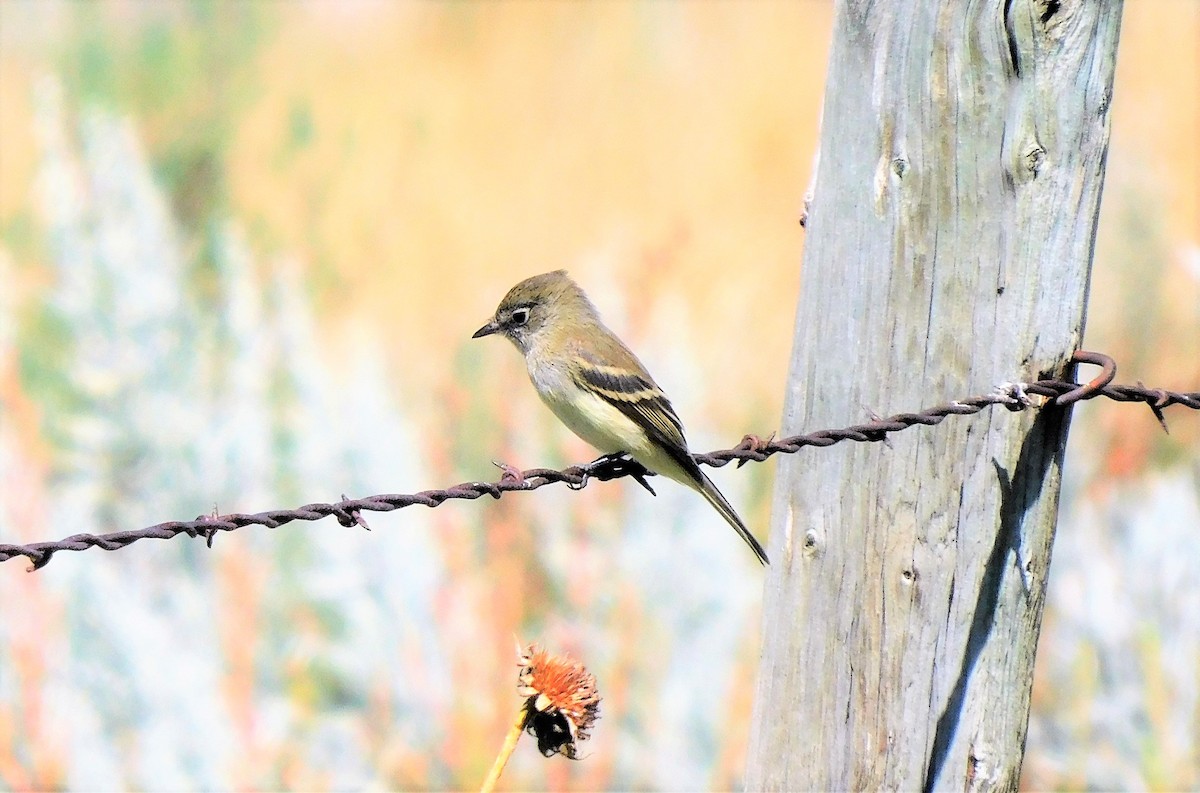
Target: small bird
[(597, 386)]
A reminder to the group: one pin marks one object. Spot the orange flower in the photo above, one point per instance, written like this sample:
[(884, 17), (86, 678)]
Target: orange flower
[(561, 704), (561, 700)]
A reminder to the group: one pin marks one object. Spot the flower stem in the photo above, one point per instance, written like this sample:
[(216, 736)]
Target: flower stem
[(510, 743)]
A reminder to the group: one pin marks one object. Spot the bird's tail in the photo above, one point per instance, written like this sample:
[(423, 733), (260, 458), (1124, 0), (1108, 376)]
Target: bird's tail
[(714, 497)]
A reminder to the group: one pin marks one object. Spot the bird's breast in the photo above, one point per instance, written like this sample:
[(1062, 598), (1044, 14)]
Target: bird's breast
[(587, 415)]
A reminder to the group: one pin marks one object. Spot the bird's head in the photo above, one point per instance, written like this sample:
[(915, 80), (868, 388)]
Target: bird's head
[(536, 306)]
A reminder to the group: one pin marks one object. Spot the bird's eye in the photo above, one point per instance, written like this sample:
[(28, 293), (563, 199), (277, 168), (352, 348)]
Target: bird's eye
[(520, 316)]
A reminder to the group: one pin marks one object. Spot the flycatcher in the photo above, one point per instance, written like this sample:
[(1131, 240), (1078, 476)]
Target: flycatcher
[(597, 386)]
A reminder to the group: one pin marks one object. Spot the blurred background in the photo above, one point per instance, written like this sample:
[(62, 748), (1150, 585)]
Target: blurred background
[(242, 249)]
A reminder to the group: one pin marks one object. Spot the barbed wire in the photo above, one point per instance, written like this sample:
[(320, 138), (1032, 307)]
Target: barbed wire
[(1014, 396)]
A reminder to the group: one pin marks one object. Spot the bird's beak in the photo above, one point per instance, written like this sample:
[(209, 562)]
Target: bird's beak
[(486, 330)]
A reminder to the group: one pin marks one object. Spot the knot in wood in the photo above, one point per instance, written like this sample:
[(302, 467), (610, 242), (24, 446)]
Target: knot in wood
[(812, 543), (1035, 158)]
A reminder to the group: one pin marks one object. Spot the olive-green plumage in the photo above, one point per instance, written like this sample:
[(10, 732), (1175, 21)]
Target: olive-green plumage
[(597, 386)]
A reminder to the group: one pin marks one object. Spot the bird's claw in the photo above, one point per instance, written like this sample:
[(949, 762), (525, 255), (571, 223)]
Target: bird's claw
[(586, 470), (610, 466), (640, 478)]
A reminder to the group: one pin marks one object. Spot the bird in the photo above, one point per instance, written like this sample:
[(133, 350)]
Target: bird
[(597, 387)]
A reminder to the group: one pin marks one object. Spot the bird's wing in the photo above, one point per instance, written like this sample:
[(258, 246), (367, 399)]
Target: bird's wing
[(628, 388), (631, 391)]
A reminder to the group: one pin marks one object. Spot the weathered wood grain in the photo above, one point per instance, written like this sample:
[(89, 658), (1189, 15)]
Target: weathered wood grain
[(950, 238)]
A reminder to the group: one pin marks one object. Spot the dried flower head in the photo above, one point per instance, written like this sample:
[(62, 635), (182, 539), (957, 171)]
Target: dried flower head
[(561, 700)]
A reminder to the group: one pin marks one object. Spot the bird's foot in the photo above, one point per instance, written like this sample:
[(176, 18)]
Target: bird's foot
[(611, 466)]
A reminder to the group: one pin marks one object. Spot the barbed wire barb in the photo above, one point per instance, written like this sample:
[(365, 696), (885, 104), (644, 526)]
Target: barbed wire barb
[(752, 448)]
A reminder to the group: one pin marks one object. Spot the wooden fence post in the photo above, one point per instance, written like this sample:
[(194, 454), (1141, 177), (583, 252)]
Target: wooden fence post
[(949, 243)]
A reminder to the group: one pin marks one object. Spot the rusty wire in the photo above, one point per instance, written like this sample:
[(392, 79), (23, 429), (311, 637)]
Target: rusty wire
[(1014, 396)]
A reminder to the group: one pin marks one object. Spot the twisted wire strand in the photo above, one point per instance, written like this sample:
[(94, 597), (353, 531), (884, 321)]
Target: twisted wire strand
[(1014, 396)]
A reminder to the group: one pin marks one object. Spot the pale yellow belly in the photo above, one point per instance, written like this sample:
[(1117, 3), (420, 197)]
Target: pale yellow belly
[(610, 430)]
